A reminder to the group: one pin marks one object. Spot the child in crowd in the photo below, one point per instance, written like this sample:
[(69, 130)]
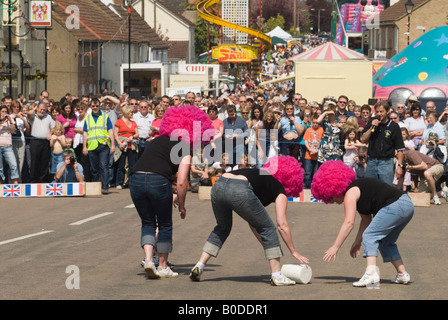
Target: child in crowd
[(409, 145), (312, 138), (351, 146), (57, 144)]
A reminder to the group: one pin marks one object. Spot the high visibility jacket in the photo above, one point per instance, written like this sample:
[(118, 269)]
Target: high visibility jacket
[(97, 131)]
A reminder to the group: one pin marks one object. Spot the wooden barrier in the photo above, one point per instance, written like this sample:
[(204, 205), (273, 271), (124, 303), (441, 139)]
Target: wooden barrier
[(418, 199), (50, 190)]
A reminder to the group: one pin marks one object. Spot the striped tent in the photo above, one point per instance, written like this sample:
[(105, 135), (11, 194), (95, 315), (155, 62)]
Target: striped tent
[(329, 51)]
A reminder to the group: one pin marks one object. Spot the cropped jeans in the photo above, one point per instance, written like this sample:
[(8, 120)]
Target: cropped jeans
[(384, 229), (237, 195), (152, 195), (7, 153)]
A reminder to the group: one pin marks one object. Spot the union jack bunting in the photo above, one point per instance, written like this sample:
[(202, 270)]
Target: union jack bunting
[(11, 190), (54, 189)]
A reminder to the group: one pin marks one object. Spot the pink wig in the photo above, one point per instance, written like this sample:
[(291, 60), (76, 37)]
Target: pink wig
[(288, 172), (188, 123), (331, 180)]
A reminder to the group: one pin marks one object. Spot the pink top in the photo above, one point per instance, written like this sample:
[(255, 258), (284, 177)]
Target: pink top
[(5, 133), (69, 131)]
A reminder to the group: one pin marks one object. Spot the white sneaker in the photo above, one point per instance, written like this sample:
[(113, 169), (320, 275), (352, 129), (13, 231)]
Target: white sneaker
[(445, 193), (166, 273), (195, 274), (402, 278), (282, 281), (436, 200), (118, 187), (150, 269), (367, 279)]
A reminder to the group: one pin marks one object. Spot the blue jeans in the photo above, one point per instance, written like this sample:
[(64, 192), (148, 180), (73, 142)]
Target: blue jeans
[(382, 233), (152, 195), (237, 195), (131, 155), (310, 167), (8, 154), (99, 165), (382, 169)]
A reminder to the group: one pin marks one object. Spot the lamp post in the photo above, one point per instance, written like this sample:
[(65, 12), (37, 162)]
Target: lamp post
[(318, 20), (409, 5), (129, 3)]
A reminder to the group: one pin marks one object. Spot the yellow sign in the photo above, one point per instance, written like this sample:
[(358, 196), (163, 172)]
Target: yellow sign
[(234, 53)]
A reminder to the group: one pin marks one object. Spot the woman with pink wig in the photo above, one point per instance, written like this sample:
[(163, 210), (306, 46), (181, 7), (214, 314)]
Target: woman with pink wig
[(247, 192), (151, 182), (384, 210)]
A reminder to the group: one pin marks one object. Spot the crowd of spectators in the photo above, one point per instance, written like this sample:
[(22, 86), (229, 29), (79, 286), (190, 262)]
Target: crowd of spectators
[(45, 140)]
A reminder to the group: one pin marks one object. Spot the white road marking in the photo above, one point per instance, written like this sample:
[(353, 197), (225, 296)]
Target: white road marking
[(25, 237), (130, 206), (77, 223)]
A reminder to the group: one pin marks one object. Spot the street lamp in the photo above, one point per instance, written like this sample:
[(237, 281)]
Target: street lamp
[(409, 5), (318, 20)]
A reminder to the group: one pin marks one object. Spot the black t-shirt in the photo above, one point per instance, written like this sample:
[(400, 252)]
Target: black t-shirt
[(265, 186), (375, 195), (385, 140), (162, 156)]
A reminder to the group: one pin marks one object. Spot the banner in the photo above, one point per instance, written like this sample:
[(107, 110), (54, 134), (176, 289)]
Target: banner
[(40, 13), (234, 53)]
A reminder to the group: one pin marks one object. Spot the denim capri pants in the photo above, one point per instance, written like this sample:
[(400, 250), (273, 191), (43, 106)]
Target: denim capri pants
[(383, 231), (152, 195), (237, 195)]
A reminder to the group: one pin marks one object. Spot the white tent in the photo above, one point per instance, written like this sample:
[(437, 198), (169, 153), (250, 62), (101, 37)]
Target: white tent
[(280, 33)]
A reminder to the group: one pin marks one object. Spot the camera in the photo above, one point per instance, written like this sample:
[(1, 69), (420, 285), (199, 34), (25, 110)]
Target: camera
[(362, 157), (72, 160)]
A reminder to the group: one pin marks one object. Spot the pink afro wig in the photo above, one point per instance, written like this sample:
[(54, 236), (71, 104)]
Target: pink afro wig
[(331, 180), (188, 123), (288, 172)]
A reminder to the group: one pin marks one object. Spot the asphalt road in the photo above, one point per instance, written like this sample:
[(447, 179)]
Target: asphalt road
[(88, 249)]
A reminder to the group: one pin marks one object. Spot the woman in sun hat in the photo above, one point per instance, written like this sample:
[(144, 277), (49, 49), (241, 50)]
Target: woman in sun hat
[(384, 210)]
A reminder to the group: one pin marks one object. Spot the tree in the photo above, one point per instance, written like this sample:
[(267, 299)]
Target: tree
[(202, 36), (274, 22)]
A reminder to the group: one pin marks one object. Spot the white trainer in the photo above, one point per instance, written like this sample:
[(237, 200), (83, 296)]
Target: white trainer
[(166, 273), (402, 278), (367, 279)]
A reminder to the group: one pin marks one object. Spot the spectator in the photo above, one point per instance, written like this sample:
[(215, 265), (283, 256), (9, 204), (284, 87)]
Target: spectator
[(98, 144), (235, 133), (69, 170), (351, 146), (416, 124), (78, 141), (291, 129), (312, 138), (429, 170), (256, 120), (384, 139), (68, 119), (329, 147), (401, 108), (159, 112), (366, 113), (430, 106), (443, 118), (7, 127), (57, 144), (224, 164), (342, 107), (200, 172), (126, 137), (18, 143), (433, 135), (41, 125), (143, 119), (409, 145), (218, 125), (265, 137), (360, 162)]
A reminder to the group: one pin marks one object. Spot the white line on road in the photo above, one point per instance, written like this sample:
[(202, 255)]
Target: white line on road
[(130, 206), (25, 237), (77, 223)]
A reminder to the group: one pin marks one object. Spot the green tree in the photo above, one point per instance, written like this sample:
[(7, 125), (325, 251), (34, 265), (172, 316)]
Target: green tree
[(202, 36), (274, 22)]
